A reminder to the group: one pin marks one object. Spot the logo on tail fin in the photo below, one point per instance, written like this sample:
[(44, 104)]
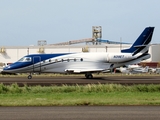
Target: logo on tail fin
[(141, 44)]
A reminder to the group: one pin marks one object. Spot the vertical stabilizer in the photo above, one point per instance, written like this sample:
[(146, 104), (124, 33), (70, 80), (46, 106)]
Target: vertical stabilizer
[(141, 44)]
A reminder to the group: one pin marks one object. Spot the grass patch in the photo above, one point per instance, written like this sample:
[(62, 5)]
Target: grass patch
[(91, 94)]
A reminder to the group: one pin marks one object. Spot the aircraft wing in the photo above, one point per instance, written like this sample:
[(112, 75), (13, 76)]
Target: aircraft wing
[(83, 70)]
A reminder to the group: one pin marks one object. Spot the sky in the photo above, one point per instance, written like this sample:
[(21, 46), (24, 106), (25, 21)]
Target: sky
[(24, 22)]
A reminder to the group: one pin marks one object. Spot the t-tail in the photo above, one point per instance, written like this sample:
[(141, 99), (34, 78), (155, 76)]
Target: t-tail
[(141, 45)]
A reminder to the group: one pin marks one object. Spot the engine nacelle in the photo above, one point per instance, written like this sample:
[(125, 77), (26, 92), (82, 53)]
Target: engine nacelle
[(121, 57)]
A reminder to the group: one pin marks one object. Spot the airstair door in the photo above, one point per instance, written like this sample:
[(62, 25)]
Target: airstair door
[(37, 64)]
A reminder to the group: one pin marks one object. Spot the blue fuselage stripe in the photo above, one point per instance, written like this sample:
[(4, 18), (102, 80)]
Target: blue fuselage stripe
[(34, 57)]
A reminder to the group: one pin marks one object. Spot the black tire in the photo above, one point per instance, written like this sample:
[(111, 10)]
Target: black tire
[(88, 75), (29, 76)]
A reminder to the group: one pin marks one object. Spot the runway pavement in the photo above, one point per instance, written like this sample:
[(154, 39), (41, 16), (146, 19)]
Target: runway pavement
[(81, 113), (72, 80)]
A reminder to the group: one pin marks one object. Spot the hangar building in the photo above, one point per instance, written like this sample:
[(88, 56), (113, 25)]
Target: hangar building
[(10, 54)]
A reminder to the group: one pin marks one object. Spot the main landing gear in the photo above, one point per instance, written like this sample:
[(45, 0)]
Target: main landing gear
[(89, 75)]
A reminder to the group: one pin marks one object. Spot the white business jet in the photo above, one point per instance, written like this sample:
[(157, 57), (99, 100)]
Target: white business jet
[(84, 63)]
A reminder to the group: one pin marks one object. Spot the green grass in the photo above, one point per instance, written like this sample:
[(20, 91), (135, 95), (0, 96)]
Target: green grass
[(100, 98), (91, 94)]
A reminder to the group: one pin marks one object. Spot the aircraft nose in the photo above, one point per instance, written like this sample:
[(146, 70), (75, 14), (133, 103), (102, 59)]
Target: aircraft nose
[(9, 69), (6, 68)]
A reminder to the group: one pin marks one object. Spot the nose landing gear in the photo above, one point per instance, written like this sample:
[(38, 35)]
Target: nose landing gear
[(30, 76)]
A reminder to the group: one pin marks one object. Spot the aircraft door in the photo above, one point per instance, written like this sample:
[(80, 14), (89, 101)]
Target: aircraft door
[(37, 64)]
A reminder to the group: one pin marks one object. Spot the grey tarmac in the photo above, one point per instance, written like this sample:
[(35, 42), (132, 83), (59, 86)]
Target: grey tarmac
[(73, 80), (81, 113)]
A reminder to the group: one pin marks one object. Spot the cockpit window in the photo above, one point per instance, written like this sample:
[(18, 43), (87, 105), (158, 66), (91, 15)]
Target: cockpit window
[(25, 59)]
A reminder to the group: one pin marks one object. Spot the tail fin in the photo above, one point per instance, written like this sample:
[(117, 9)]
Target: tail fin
[(141, 44)]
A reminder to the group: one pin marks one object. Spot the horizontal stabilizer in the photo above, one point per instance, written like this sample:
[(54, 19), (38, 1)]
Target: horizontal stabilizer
[(138, 46)]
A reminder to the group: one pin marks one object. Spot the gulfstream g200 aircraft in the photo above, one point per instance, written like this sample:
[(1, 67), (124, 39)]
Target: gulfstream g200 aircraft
[(86, 63)]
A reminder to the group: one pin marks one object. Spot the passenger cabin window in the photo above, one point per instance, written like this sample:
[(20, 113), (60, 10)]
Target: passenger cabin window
[(81, 59), (25, 59)]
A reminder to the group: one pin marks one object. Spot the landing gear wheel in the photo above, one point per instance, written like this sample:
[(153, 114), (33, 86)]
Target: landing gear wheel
[(88, 75), (29, 76)]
